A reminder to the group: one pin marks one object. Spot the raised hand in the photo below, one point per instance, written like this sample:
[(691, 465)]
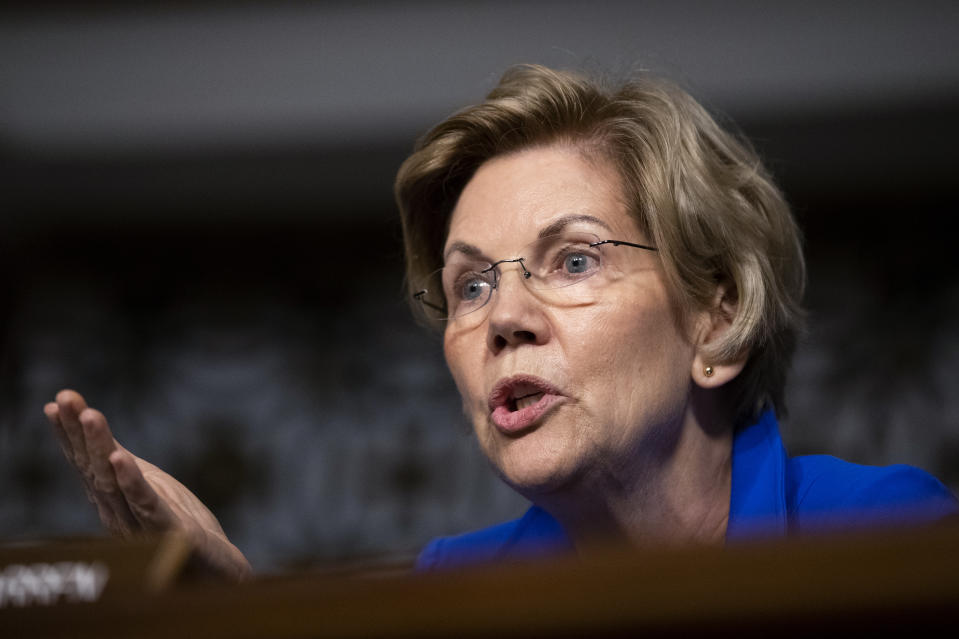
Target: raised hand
[(132, 496)]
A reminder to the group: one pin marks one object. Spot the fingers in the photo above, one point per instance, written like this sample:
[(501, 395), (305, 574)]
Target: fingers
[(69, 406), (125, 500), (99, 443), (87, 443), (52, 411), (110, 500), (149, 510)]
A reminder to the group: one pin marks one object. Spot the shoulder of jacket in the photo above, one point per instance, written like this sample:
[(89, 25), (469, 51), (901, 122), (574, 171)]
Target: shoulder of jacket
[(820, 485)]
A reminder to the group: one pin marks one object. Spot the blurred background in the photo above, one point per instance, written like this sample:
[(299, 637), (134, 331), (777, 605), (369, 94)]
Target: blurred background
[(198, 233)]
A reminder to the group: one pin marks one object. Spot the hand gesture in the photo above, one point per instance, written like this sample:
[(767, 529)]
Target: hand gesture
[(132, 496)]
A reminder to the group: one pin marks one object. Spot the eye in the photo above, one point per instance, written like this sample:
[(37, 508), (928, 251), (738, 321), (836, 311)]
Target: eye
[(467, 287), (472, 288), (576, 263)]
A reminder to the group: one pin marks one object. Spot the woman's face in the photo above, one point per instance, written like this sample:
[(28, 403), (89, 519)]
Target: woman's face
[(564, 393)]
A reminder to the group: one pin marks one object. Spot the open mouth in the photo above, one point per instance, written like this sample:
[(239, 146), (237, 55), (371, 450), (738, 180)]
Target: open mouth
[(519, 402)]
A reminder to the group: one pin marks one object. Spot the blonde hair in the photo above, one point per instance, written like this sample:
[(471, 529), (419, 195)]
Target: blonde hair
[(698, 192)]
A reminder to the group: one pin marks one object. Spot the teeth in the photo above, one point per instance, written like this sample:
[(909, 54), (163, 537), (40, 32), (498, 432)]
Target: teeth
[(529, 400)]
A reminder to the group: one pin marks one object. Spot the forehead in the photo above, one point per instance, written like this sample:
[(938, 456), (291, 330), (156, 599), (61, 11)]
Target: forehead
[(512, 198)]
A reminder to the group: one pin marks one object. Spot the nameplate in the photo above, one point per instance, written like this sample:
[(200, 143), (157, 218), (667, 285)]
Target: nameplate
[(76, 571)]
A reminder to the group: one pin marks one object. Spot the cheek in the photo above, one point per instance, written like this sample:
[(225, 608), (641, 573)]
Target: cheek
[(453, 359), (459, 364), (640, 361)]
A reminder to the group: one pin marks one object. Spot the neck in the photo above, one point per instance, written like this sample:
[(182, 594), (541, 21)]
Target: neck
[(673, 489)]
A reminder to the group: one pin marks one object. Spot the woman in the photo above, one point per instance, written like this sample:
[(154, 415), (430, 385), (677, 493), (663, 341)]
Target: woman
[(618, 285)]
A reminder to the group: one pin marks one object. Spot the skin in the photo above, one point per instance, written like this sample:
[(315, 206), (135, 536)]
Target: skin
[(640, 448), (132, 496)]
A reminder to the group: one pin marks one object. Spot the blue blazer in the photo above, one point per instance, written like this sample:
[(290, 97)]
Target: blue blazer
[(772, 495)]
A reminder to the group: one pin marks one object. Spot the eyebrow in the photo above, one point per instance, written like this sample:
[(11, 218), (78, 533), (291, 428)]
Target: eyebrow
[(462, 247), (560, 224), (553, 228)]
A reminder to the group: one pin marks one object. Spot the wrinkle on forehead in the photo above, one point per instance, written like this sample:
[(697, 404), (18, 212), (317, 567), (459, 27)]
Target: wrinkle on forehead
[(541, 193)]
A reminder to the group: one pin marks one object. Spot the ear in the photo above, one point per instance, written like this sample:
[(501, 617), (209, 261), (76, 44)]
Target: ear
[(713, 325)]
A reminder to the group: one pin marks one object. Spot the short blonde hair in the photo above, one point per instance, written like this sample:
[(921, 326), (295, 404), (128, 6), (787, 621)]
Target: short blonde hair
[(697, 191)]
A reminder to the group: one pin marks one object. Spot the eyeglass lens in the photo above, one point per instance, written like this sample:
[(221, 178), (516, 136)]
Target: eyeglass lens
[(549, 264)]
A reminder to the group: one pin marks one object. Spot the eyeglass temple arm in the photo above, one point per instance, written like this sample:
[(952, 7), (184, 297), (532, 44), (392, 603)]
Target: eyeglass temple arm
[(623, 243), (419, 296)]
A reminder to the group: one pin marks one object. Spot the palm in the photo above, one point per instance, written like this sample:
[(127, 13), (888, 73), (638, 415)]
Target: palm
[(132, 496)]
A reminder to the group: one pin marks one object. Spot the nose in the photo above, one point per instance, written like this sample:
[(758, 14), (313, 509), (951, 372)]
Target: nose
[(516, 316)]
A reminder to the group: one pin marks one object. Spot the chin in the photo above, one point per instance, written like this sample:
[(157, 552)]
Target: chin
[(531, 468)]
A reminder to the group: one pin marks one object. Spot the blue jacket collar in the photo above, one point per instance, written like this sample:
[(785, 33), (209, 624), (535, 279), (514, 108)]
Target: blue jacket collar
[(757, 504)]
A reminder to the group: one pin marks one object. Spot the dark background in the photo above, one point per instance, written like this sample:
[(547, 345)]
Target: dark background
[(198, 233)]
